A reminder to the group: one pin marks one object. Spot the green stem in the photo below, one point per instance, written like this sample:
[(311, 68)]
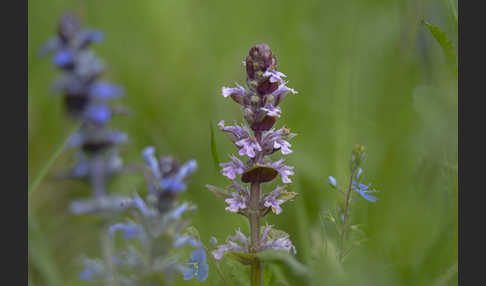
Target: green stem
[(256, 271), (345, 214)]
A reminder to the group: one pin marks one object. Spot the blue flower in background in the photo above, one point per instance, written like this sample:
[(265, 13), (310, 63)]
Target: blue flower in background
[(93, 269), (332, 181), (362, 189), (197, 266)]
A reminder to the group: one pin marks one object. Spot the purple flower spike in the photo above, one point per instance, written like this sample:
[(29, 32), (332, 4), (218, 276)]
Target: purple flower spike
[(257, 139)]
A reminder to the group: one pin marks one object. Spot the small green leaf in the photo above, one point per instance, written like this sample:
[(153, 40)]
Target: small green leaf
[(446, 45), (214, 149), (218, 192), (242, 257), (282, 257), (287, 196)]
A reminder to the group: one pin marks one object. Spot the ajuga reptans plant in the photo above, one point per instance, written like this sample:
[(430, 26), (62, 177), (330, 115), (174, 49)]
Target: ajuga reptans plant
[(256, 139), (86, 99), (340, 216), (155, 234), (157, 222)]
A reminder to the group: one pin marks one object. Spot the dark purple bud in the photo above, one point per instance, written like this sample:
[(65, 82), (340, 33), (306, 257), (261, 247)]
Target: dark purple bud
[(69, 27), (259, 59), (76, 103), (266, 87)]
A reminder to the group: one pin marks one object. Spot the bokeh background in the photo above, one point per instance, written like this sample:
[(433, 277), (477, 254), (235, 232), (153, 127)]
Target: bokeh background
[(367, 72)]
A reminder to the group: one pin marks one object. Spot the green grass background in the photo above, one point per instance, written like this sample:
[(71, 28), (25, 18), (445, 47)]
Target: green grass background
[(367, 72)]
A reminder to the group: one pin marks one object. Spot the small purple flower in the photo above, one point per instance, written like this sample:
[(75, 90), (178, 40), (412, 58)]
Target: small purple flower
[(63, 58), (182, 240), (220, 251), (362, 189), (272, 111), (237, 202), (238, 90), (88, 36), (109, 204), (139, 203), (106, 90), (93, 269), (248, 147), (281, 92), (149, 156), (276, 198), (332, 181), (276, 239), (235, 166), (271, 200), (168, 175), (277, 140), (284, 170), (130, 230), (283, 145), (275, 76), (238, 243), (235, 131), (98, 113)]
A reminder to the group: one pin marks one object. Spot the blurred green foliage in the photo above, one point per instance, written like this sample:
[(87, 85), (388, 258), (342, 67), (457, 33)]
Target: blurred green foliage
[(367, 72)]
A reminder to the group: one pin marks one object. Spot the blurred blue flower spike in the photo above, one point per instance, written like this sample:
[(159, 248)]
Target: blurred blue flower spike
[(362, 189), (197, 266)]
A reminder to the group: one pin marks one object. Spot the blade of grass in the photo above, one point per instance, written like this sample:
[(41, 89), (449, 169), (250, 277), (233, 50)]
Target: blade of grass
[(43, 171), (214, 149), (40, 251), (41, 256)]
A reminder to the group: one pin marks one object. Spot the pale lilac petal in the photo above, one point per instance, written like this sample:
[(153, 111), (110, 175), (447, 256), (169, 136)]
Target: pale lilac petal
[(235, 166), (238, 90), (271, 110)]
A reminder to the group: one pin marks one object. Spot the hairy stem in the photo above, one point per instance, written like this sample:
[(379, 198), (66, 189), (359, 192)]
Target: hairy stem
[(256, 271)]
